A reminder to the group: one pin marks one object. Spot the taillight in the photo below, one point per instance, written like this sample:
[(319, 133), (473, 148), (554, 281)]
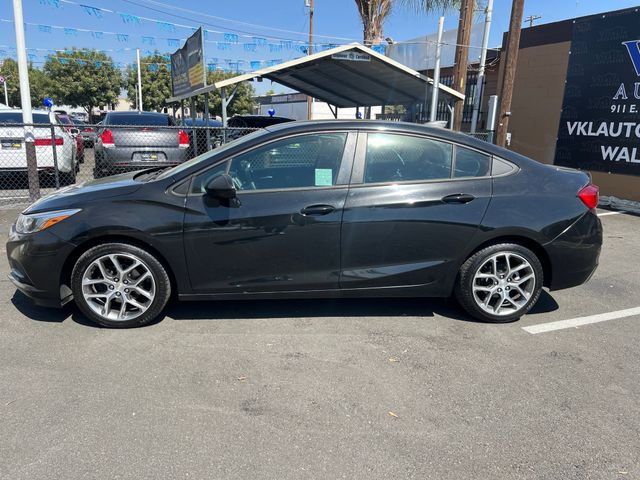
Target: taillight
[(107, 138), (46, 142), (183, 139), (88, 129), (589, 195)]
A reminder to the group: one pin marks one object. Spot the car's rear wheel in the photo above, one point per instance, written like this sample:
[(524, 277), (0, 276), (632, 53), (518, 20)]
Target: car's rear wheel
[(500, 283), (120, 285)]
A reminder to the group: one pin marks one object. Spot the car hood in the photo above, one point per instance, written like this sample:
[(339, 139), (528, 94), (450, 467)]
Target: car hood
[(81, 193)]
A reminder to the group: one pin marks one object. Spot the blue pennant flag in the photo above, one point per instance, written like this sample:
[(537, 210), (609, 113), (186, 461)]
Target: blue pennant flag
[(224, 46), (92, 11), (50, 3), (31, 57), (82, 62), (153, 67), (274, 47), (44, 28), (378, 48), (166, 57), (173, 42), (250, 47), (148, 41), (128, 18), (260, 41), (166, 26), (97, 34), (205, 33), (288, 44), (122, 37), (212, 67), (72, 32), (255, 64), (63, 61), (148, 52), (231, 37)]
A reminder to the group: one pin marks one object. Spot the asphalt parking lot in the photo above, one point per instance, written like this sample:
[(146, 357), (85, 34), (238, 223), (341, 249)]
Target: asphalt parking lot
[(330, 389)]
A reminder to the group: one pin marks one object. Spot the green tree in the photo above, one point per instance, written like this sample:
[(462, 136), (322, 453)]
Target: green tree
[(83, 78), (38, 82), (374, 13), (156, 83)]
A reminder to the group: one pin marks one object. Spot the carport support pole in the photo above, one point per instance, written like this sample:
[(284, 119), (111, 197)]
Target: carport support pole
[(25, 98), (223, 104), (55, 157), (206, 119), (436, 73), (182, 111)]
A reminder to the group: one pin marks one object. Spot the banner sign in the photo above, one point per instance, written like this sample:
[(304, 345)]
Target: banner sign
[(352, 56), (187, 66), (600, 121)]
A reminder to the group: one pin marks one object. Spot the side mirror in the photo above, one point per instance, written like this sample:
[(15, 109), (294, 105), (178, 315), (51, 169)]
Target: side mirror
[(221, 187), (74, 131)]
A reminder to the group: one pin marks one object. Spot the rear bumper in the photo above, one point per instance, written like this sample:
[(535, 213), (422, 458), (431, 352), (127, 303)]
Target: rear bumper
[(574, 254), (120, 156)]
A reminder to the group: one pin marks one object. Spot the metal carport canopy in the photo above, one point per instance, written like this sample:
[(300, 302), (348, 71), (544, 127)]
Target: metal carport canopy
[(346, 76)]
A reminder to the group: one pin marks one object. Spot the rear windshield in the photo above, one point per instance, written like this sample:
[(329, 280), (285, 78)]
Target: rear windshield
[(65, 120), (16, 117), (137, 119)]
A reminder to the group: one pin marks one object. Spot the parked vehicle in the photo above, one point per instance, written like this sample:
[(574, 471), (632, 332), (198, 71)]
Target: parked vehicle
[(13, 157), (240, 122), (315, 209), (136, 140), (65, 120), (87, 133)]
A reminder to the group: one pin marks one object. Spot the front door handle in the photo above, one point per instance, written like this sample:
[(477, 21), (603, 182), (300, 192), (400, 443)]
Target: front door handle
[(314, 210), (458, 198)]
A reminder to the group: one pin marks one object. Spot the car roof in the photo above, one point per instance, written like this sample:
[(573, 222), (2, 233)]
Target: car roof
[(136, 112)]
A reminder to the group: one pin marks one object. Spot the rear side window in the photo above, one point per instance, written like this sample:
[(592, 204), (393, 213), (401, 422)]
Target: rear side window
[(401, 158), (471, 163), (137, 119)]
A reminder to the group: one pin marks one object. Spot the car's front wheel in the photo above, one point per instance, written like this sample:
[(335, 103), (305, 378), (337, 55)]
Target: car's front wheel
[(120, 285), (500, 283)]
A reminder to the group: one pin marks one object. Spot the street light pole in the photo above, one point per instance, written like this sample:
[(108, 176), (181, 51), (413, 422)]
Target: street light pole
[(139, 81), (25, 99), (436, 73), (477, 101), (310, 51)]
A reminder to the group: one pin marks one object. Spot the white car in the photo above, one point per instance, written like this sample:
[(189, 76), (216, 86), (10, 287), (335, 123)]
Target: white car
[(13, 157)]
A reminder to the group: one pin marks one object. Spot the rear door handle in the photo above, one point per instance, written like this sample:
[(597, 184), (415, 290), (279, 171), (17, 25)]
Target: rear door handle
[(315, 210), (458, 198)]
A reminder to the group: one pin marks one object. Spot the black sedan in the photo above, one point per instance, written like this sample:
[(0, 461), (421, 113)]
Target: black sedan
[(314, 209)]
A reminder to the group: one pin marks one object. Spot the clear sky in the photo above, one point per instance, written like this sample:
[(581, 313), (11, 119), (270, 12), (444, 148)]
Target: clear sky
[(336, 21)]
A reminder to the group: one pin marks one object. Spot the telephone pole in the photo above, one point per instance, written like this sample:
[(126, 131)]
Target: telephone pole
[(511, 60), (462, 58), (309, 3), (532, 18)]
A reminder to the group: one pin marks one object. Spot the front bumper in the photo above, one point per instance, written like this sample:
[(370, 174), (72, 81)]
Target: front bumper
[(575, 253), (36, 262)]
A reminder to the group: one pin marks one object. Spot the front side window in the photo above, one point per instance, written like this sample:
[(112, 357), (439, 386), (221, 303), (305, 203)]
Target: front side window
[(302, 161), (400, 158)]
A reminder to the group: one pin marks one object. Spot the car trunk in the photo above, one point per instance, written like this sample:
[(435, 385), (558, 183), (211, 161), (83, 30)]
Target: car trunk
[(149, 137)]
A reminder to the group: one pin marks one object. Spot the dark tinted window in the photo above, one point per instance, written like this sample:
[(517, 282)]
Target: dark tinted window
[(137, 119), (63, 119), (401, 158), (16, 117), (470, 163), (303, 161), (204, 178)]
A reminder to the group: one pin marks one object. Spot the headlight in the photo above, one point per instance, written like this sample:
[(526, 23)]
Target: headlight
[(35, 222)]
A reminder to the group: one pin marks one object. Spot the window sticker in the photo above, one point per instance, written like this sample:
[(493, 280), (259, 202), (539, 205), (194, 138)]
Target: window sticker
[(324, 177)]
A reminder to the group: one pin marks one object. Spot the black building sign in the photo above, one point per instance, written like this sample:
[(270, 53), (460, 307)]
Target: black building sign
[(600, 122), (187, 66)]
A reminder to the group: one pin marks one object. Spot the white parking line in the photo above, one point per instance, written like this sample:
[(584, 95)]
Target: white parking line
[(611, 213), (579, 321)]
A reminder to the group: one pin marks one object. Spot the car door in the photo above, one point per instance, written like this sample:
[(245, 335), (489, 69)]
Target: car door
[(411, 210), (282, 232)]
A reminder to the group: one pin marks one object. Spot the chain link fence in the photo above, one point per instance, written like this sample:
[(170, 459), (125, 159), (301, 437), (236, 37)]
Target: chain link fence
[(65, 155)]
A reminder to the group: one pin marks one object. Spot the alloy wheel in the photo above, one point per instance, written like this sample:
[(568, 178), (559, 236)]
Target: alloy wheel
[(504, 284), (118, 286)]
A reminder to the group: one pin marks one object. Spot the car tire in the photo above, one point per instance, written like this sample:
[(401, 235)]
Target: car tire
[(500, 283), (144, 289)]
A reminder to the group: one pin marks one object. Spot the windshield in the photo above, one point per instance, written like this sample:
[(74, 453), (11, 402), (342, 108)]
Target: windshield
[(16, 117), (213, 153)]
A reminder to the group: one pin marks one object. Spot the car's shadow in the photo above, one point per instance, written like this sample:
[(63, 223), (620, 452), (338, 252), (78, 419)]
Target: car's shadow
[(264, 309)]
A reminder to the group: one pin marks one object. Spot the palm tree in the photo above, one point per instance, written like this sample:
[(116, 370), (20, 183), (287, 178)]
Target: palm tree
[(373, 14)]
